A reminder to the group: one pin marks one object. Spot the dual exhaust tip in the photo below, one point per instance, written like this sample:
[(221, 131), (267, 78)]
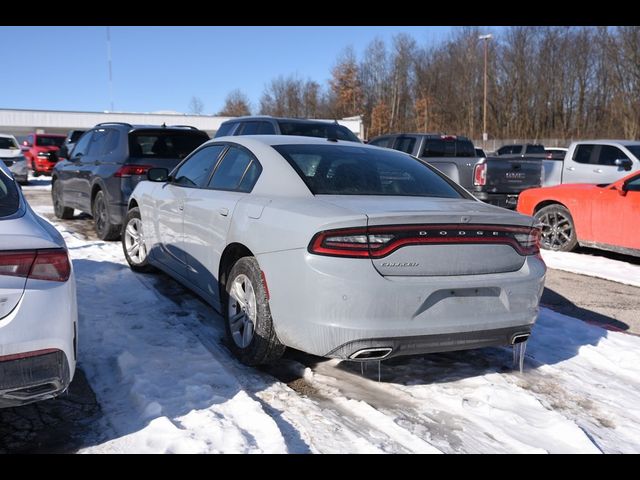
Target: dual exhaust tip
[(380, 353)]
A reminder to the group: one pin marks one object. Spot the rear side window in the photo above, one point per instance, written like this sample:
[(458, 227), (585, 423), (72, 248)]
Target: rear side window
[(168, 144), (9, 196), (509, 150), (233, 168), (535, 148), (256, 128), (320, 130), (343, 170), (583, 153), (439, 147), (104, 141), (225, 129), (405, 144)]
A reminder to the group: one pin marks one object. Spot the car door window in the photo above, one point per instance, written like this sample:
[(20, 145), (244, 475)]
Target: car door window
[(583, 153), (405, 144), (82, 147), (609, 154), (381, 142), (98, 141), (633, 185), (195, 171), (226, 129), (236, 165), (265, 128)]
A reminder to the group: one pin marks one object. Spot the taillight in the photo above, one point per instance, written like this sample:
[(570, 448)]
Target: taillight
[(380, 241), (131, 170), (50, 265), (480, 174)]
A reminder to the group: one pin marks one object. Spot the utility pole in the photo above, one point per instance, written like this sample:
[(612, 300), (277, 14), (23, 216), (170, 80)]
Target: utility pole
[(109, 62), (485, 136)]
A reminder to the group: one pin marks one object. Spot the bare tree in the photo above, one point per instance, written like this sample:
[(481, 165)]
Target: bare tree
[(345, 85), (196, 105), (235, 105)]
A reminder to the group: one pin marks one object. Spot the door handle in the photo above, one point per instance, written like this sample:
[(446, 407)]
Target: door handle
[(571, 168), (597, 170), (223, 211)]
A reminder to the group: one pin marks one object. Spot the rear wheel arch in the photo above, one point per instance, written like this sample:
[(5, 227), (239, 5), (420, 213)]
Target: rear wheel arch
[(546, 203), (231, 254)]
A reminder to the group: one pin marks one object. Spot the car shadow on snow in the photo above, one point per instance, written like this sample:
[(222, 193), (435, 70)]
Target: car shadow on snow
[(155, 355)]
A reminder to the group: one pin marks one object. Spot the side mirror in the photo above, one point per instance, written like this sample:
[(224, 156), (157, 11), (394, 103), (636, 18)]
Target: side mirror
[(625, 163), (74, 157), (621, 189), (158, 175)]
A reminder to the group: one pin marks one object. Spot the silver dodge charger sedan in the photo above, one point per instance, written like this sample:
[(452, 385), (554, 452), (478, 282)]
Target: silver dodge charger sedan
[(336, 249)]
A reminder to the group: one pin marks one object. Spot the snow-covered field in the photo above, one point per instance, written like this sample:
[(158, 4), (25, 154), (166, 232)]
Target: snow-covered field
[(166, 383), (601, 267)]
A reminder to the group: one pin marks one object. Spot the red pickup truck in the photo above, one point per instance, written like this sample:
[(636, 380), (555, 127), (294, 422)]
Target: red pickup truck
[(41, 151)]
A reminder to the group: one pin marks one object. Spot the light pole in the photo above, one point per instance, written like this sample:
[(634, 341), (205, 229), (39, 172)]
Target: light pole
[(485, 137)]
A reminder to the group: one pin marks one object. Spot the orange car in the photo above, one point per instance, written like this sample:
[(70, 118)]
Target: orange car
[(600, 216)]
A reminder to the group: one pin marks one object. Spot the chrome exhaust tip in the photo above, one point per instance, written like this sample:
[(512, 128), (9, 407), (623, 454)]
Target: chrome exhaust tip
[(371, 354), (519, 338)]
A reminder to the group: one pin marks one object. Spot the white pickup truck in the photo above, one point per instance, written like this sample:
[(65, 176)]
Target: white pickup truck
[(593, 161)]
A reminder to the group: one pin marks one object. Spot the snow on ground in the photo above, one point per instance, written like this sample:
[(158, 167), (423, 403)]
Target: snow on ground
[(593, 266), (153, 354)]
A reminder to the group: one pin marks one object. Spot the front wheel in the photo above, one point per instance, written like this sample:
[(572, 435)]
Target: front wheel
[(102, 221), (558, 229), (133, 242), (249, 326), (59, 209)]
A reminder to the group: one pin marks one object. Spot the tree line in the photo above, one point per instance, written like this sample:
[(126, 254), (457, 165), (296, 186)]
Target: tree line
[(542, 82)]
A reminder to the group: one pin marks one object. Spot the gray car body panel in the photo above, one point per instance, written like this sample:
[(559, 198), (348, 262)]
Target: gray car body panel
[(321, 303)]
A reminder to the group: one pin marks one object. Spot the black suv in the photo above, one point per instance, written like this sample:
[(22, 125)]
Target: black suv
[(266, 125), (107, 163)]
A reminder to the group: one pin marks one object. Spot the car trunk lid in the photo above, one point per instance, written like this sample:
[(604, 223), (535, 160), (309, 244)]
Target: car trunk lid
[(410, 236)]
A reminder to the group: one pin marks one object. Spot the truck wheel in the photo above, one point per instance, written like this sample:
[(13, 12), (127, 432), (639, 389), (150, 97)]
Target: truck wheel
[(558, 229)]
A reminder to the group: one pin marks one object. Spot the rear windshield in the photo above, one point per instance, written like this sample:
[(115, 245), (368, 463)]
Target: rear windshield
[(535, 149), (165, 144), (45, 141), (9, 197), (8, 143), (441, 147), (344, 170), (320, 129)]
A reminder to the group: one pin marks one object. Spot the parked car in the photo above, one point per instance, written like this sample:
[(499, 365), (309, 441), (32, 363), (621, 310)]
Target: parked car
[(12, 157), (41, 151), (107, 163), (67, 147), (603, 216), (336, 248), (493, 180), (594, 161), (38, 310), (266, 125)]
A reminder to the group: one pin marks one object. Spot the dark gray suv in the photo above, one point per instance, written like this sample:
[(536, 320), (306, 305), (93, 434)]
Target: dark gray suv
[(107, 163), (266, 125)]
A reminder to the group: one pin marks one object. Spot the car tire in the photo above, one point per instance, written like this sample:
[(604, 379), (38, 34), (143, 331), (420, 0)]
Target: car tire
[(558, 228), (101, 219), (249, 329), (59, 209), (133, 246)]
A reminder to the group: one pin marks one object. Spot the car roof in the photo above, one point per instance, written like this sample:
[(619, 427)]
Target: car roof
[(606, 141), (6, 135), (287, 119), (129, 126), (272, 140)]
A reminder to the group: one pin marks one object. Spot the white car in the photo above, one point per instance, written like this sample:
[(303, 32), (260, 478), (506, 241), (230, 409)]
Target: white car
[(12, 157), (337, 249), (38, 309)]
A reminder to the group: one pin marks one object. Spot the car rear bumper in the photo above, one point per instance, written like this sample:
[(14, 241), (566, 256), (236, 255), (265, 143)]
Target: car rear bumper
[(38, 376), (336, 306), (44, 320)]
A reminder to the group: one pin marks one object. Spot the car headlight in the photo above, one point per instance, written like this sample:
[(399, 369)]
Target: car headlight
[(43, 154)]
